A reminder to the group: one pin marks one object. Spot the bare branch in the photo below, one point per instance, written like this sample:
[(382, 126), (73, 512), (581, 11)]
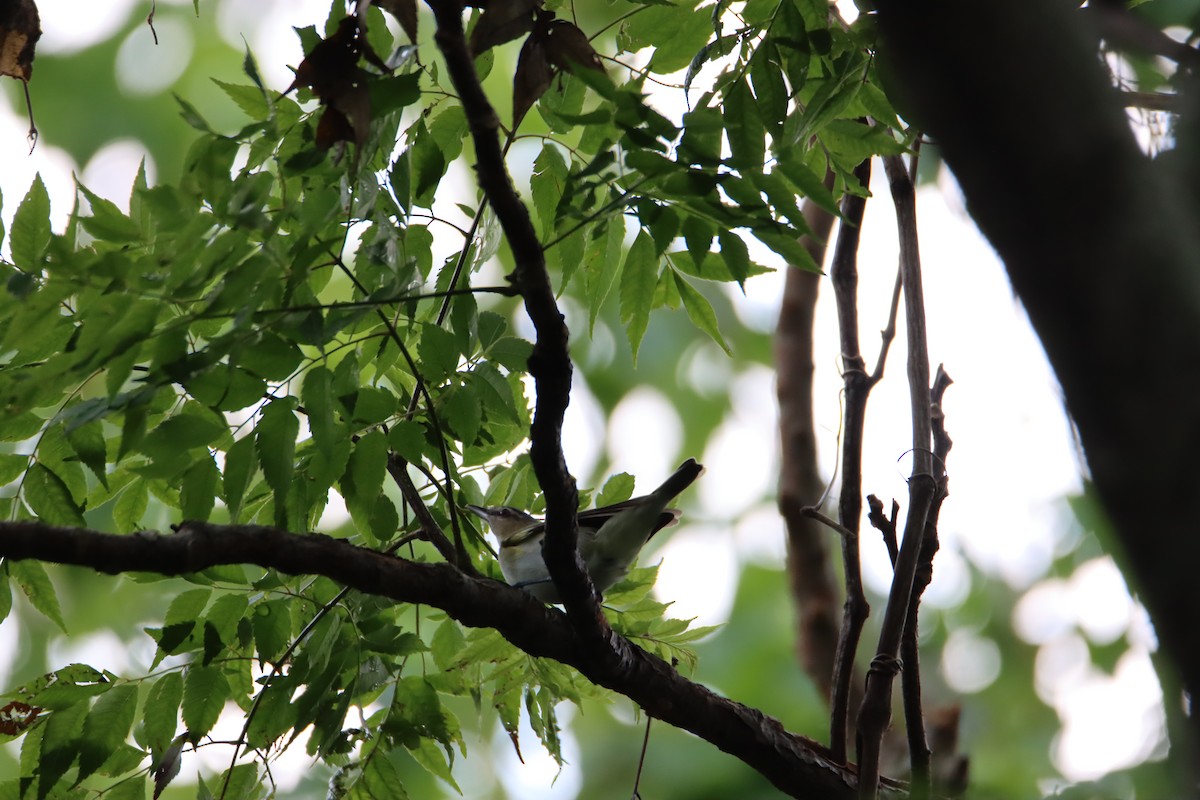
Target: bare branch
[(875, 713)]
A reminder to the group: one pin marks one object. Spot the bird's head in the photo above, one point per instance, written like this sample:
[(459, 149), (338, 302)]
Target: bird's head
[(505, 521)]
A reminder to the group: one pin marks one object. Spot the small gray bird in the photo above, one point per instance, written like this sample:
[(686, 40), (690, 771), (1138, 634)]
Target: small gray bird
[(610, 538)]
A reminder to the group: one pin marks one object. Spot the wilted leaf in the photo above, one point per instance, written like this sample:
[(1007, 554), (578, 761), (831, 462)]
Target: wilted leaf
[(532, 78), (331, 70), (502, 22), (20, 28), (568, 47)]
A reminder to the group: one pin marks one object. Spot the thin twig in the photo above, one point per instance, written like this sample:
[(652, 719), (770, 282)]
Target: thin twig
[(843, 274), (875, 713)]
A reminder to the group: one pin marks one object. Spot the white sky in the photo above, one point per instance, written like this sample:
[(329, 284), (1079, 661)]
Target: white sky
[(1013, 461)]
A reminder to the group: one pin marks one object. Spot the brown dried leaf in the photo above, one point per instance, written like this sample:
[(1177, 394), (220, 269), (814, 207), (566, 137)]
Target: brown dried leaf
[(331, 67), (532, 78), (405, 12), (17, 717), (568, 47), (331, 70), (20, 28), (503, 21)]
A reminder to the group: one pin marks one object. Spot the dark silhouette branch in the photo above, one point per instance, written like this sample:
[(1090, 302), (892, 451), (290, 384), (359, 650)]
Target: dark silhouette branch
[(857, 388), (1107, 272), (798, 766), (876, 710), (550, 363)]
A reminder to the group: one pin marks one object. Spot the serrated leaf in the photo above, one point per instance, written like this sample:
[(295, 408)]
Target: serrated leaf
[(88, 443), (700, 311), (638, 278), (735, 255), (60, 746), (106, 222), (130, 506), (547, 183), (276, 439), (271, 622), (317, 396), (160, 717), (407, 438), (38, 590), (368, 466), (439, 354), (50, 499), (106, 726), (617, 489), (381, 779), (205, 691), (31, 227), (197, 492), (463, 413), (239, 473)]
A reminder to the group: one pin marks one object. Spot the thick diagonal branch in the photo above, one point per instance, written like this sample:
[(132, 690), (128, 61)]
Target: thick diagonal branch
[(796, 765)]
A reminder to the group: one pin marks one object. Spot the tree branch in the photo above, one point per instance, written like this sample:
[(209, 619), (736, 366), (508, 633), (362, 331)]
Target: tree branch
[(1106, 272), (796, 765), (550, 362), (844, 276), (876, 711), (811, 580)]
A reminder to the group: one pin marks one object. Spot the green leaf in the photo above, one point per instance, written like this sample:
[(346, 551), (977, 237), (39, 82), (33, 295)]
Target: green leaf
[(617, 489), (274, 716), (368, 466), (464, 413), (439, 354), (272, 624), (700, 311), (276, 439), (197, 492), (88, 443), (380, 779), (49, 498), (31, 227), (160, 717), (60, 746), (12, 466), (677, 33), (249, 99), (602, 266), (638, 277), (547, 183), (205, 691), (6, 601), (392, 93), (735, 255), (106, 726), (239, 472), (317, 396), (38, 590), (130, 506), (407, 438), (107, 223)]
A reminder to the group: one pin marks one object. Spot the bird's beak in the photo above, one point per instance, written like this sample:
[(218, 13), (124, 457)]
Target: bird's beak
[(478, 511)]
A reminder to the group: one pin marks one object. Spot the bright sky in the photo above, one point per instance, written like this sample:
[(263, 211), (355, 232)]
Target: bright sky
[(1013, 462)]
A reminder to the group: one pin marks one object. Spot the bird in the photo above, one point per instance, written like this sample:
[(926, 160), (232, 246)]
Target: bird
[(610, 538)]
